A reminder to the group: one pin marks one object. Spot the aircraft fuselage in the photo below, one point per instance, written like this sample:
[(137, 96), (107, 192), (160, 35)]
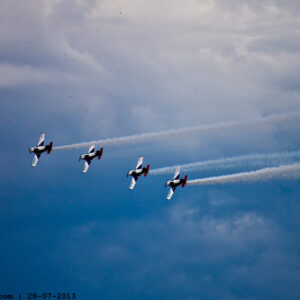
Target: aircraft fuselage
[(41, 149), (88, 156), (175, 183), (91, 155), (137, 172), (38, 150)]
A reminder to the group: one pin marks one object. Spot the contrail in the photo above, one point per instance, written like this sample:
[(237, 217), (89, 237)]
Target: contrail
[(175, 132), (253, 160), (282, 172)]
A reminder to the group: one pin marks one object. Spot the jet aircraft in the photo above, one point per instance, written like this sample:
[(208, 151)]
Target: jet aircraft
[(137, 172), (39, 149), (88, 157), (173, 184)]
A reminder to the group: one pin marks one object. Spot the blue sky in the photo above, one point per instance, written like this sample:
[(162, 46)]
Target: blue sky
[(85, 70)]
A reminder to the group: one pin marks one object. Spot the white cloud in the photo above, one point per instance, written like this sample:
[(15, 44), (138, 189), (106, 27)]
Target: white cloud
[(144, 66)]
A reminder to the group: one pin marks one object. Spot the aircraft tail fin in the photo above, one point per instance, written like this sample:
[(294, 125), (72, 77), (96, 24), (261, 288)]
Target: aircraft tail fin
[(49, 147), (147, 170), (184, 181), (100, 152)]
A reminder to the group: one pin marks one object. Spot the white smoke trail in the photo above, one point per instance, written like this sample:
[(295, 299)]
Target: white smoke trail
[(253, 160), (175, 132), (281, 172)]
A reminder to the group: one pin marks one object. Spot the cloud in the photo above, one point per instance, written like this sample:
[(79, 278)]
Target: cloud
[(16, 76), (180, 252), (172, 56), (86, 70)]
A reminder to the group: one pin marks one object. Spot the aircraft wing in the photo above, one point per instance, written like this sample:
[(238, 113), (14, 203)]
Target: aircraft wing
[(139, 163), (86, 166), (41, 139), (133, 182), (91, 149), (177, 173), (171, 192), (35, 160)]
